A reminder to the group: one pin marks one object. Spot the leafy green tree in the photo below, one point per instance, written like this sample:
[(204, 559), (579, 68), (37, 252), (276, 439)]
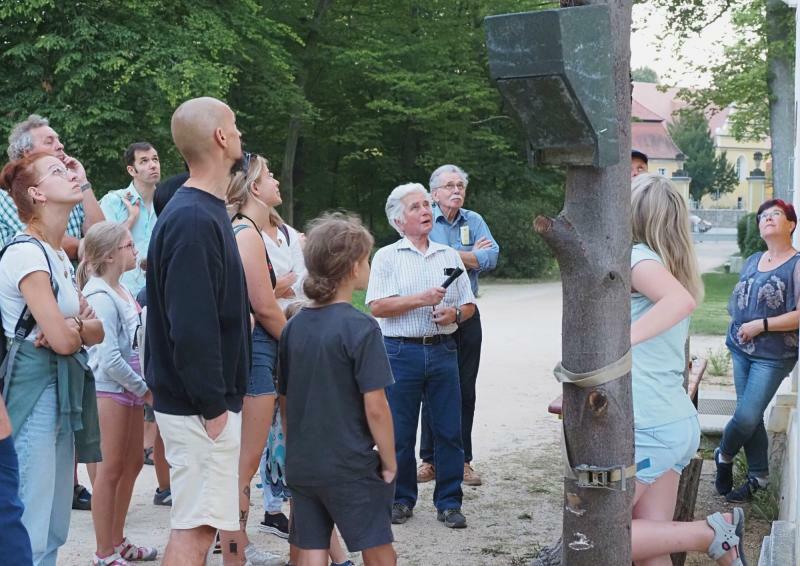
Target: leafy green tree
[(108, 73), (710, 173), (645, 75)]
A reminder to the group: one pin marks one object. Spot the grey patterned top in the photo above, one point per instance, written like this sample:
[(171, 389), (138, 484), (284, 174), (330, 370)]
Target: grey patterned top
[(762, 294)]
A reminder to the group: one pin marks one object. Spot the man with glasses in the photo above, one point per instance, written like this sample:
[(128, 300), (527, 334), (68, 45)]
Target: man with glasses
[(133, 205), (466, 232), (34, 135)]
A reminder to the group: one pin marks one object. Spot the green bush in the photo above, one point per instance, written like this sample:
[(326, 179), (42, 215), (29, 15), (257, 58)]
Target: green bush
[(751, 242)]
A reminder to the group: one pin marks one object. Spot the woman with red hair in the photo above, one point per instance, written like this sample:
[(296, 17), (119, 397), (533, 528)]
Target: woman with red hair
[(763, 342), (48, 390)]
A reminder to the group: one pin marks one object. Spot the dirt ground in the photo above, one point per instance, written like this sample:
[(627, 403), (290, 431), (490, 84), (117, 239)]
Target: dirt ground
[(515, 444)]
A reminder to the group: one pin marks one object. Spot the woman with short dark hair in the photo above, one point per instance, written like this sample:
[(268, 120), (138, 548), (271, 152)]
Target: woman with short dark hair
[(762, 338)]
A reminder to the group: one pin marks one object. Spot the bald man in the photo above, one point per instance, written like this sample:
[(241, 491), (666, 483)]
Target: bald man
[(198, 333)]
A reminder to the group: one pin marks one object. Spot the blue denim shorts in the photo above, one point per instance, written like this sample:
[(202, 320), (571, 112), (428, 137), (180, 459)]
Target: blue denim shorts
[(262, 367), (669, 447)]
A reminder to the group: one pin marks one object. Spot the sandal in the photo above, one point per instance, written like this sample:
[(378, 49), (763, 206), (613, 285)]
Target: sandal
[(133, 553), (727, 536), (112, 560), (148, 456)]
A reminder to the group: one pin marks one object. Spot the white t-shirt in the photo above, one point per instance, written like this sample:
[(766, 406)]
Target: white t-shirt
[(23, 259), (285, 258)]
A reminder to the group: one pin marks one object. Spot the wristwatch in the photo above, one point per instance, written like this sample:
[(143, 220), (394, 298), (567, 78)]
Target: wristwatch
[(458, 315)]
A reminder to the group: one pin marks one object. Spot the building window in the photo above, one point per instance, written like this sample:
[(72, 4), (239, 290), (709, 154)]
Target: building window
[(662, 171), (741, 168)]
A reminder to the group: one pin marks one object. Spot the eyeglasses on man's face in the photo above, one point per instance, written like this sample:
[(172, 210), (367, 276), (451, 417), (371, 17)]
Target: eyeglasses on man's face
[(453, 186)]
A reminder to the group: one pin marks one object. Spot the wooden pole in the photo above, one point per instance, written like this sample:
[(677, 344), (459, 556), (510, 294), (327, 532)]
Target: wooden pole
[(591, 239)]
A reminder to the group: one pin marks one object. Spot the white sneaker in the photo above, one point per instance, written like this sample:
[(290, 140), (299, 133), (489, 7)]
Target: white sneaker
[(255, 557)]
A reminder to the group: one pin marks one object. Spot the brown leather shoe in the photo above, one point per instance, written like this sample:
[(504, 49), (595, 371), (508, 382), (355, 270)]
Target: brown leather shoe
[(471, 477), (425, 472)]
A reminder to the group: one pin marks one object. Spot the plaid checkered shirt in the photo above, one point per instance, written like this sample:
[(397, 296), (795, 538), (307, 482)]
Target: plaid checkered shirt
[(11, 225)]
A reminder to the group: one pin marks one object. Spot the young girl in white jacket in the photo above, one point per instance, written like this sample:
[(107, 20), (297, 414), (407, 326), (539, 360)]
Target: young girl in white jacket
[(109, 252)]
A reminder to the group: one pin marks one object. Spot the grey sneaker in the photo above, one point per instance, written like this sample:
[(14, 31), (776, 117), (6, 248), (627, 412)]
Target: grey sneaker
[(401, 513), (163, 497), (452, 518), (255, 557)]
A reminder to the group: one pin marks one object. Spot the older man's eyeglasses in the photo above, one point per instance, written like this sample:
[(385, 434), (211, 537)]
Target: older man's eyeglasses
[(453, 186), (771, 214)]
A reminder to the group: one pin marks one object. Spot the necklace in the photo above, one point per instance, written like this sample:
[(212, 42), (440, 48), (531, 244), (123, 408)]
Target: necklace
[(770, 257), (59, 251)]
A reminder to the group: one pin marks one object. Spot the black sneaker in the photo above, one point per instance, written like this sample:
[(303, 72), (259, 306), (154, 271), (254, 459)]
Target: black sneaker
[(744, 492), (401, 513), (81, 498), (276, 524), (163, 497), (452, 518), (724, 479)]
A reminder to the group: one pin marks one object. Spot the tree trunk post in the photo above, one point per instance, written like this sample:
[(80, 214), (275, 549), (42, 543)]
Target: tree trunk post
[(780, 79), (591, 239)]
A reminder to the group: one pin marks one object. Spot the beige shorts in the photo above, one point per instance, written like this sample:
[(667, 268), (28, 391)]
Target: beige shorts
[(204, 473)]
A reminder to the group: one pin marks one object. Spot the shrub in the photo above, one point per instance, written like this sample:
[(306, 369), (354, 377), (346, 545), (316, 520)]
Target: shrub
[(751, 241)]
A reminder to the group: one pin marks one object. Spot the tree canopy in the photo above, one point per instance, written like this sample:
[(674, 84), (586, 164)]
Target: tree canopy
[(645, 75), (710, 173), (391, 90)]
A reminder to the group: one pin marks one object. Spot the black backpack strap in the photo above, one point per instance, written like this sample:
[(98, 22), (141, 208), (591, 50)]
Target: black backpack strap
[(26, 321), (285, 230)]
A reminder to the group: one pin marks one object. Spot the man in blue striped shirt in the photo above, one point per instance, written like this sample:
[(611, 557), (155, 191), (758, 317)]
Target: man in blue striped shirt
[(466, 232)]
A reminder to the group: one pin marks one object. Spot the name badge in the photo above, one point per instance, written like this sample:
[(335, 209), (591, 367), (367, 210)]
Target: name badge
[(465, 235)]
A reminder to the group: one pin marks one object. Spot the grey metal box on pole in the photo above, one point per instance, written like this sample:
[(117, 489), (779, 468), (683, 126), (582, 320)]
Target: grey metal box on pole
[(554, 68)]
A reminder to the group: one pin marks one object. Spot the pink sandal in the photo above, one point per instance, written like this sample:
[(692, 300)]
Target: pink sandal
[(133, 553)]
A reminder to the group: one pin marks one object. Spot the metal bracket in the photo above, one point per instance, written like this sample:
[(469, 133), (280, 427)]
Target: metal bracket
[(598, 477)]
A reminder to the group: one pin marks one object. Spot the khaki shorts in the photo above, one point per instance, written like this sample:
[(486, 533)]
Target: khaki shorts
[(204, 473)]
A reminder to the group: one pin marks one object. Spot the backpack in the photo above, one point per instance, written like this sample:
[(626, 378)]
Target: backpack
[(285, 231), (26, 321)]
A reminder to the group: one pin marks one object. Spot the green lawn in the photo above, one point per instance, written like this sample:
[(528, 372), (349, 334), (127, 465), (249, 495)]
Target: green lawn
[(711, 317)]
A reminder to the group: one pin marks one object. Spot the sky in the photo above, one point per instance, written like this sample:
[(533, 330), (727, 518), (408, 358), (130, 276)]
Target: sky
[(648, 23)]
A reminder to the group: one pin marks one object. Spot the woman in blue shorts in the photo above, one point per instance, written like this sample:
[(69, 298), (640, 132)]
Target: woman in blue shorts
[(665, 289), (251, 195)]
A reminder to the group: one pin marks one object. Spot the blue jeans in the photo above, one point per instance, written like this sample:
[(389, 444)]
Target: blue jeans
[(756, 381), (429, 373), (46, 460), (469, 337), (14, 539)]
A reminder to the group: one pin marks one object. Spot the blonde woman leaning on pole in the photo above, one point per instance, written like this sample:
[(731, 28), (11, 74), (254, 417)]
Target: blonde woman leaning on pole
[(666, 288), (108, 253), (50, 393), (251, 195)]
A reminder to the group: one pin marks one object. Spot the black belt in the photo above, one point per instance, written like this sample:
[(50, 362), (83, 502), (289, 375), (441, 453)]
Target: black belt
[(424, 340)]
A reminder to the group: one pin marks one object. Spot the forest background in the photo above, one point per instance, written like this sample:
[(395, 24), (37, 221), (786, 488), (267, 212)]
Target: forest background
[(346, 98)]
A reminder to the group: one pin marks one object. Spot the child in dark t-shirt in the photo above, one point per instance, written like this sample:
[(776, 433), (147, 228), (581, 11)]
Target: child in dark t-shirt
[(332, 372)]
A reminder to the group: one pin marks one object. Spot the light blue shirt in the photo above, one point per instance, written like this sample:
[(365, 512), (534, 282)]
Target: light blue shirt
[(115, 211), (472, 227), (658, 364)]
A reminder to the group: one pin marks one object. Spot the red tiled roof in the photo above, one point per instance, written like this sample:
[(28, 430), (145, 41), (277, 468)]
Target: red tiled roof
[(653, 139), (642, 113)]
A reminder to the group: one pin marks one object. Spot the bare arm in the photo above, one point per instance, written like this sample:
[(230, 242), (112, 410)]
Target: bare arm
[(70, 246), (672, 303), (259, 287), (379, 420), (397, 305), (61, 333)]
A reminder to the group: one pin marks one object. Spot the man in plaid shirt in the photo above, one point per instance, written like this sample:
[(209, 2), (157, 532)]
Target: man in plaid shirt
[(34, 134)]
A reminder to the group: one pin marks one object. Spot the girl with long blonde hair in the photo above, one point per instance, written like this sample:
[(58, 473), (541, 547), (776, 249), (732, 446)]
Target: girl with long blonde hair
[(665, 289), (108, 253)]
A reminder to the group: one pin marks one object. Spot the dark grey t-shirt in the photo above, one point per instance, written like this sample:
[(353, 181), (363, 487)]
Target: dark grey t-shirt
[(329, 357)]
